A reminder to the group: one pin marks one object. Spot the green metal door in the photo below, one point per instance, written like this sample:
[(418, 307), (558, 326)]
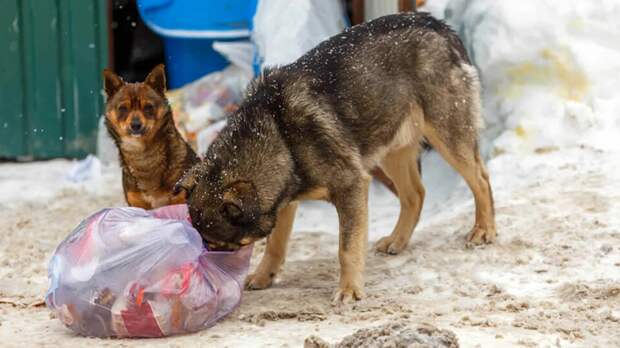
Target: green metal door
[(53, 52)]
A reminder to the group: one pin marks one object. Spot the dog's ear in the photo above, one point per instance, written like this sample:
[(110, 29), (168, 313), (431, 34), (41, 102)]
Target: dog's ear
[(240, 204), (187, 182), (111, 82), (157, 79)]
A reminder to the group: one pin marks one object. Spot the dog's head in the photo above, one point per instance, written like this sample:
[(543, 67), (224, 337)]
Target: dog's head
[(136, 110), (228, 215), (246, 177)]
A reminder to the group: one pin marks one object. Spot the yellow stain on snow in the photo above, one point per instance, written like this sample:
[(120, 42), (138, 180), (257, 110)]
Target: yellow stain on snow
[(521, 133), (556, 69), (577, 24)]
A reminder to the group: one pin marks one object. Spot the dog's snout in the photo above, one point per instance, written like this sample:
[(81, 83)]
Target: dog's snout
[(135, 124)]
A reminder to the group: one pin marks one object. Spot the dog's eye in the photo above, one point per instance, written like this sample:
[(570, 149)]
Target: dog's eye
[(148, 108), (122, 110)]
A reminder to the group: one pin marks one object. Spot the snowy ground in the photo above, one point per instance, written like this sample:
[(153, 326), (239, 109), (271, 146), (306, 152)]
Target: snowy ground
[(552, 278)]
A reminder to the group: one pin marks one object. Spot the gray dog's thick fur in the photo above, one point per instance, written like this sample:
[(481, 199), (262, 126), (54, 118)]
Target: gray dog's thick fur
[(315, 128)]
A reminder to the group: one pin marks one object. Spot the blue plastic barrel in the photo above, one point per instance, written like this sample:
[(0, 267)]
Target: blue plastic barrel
[(189, 28)]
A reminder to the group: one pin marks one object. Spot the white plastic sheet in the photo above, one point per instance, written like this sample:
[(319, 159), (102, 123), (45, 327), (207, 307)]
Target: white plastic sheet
[(284, 30)]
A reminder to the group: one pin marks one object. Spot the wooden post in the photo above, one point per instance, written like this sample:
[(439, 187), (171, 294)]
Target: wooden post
[(110, 35), (406, 5), (357, 12)]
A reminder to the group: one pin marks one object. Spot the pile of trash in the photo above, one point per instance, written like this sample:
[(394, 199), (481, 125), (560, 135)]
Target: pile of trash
[(200, 108)]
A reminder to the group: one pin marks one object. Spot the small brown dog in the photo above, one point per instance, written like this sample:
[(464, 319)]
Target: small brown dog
[(153, 154)]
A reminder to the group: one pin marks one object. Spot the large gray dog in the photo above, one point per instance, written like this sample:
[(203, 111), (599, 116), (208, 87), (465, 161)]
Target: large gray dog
[(313, 129)]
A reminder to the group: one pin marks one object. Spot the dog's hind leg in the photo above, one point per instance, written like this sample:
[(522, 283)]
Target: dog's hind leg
[(452, 118), (403, 168), (461, 152), (275, 251)]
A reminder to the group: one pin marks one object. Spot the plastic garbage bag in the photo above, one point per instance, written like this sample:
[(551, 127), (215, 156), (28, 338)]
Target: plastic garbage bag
[(128, 272), (284, 30), (211, 98), (208, 100)]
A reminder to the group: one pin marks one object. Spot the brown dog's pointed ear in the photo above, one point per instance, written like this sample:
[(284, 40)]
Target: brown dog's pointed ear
[(240, 204), (187, 182), (111, 82), (157, 79)]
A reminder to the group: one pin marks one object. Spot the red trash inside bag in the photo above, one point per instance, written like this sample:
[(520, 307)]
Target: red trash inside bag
[(128, 272)]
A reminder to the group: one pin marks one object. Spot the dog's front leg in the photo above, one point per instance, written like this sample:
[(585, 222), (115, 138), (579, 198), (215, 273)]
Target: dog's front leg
[(275, 251), (352, 206)]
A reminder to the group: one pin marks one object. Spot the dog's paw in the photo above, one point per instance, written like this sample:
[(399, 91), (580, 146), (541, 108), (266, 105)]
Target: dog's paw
[(258, 281), (348, 294), (479, 236), (390, 245)]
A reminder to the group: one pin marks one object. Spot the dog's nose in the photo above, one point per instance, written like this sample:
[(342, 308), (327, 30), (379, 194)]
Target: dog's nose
[(135, 124)]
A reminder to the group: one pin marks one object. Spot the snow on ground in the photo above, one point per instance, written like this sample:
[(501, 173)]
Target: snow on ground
[(552, 278), (42, 182), (550, 70)]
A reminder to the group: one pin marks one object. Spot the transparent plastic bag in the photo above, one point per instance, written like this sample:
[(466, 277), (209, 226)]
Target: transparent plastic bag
[(209, 99), (128, 272)]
